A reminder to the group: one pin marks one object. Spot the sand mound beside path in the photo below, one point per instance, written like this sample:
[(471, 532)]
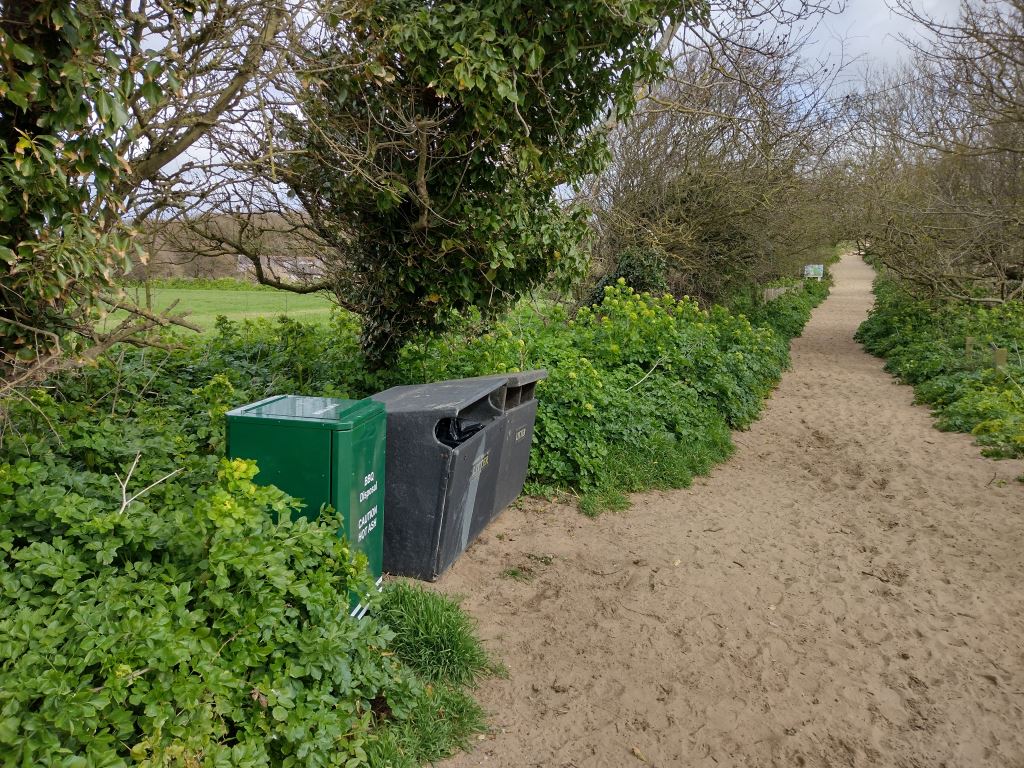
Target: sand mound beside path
[(848, 590)]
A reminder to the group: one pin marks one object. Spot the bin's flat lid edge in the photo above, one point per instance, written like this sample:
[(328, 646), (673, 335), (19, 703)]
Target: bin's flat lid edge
[(443, 397), (243, 410), (348, 413), (361, 412), (514, 378)]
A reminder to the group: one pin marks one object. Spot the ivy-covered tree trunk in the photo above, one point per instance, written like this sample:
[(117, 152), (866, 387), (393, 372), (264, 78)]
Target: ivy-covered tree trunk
[(433, 138)]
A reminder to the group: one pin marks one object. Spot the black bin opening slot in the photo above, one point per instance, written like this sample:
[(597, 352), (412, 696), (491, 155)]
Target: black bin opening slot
[(453, 432), (513, 396)]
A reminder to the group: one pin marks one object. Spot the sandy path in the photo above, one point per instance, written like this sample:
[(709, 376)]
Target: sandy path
[(846, 591)]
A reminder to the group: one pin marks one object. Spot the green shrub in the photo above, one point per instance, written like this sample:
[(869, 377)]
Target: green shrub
[(788, 314), (196, 629), (642, 268), (923, 344), (642, 389), (637, 375), (157, 607), (629, 376)]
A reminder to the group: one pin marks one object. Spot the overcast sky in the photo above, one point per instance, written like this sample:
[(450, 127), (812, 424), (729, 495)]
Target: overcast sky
[(872, 31)]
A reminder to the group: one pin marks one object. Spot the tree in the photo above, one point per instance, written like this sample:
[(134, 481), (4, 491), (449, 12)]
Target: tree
[(971, 72), (940, 154), (724, 169), (100, 104), (432, 140)]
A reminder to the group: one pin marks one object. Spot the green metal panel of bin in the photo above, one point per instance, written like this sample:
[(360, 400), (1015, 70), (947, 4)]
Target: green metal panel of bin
[(321, 450)]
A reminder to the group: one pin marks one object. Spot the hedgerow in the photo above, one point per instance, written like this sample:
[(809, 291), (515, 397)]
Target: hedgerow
[(642, 391), (649, 377), (924, 344), (788, 314)]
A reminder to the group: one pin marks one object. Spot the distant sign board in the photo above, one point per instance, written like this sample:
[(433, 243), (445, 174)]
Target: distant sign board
[(814, 270)]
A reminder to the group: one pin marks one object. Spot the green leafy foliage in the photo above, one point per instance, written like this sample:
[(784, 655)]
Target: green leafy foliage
[(642, 389), (924, 344), (432, 150), (642, 382), (789, 313), (635, 374), (64, 98), (159, 608), (643, 269), (264, 357)]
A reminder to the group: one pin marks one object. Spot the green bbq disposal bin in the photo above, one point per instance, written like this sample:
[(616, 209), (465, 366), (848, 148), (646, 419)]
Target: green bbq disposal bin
[(321, 450)]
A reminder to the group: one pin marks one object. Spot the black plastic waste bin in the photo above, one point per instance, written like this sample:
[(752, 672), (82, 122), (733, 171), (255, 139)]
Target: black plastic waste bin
[(443, 440), (457, 455)]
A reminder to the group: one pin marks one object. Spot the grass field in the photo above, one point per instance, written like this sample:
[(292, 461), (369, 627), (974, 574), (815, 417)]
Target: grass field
[(203, 305)]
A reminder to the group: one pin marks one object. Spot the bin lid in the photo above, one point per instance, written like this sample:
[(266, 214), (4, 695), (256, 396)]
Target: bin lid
[(514, 378), (445, 398), (318, 412)]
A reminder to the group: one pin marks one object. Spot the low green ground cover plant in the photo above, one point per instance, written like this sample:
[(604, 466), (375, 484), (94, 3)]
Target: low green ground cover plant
[(924, 344), (159, 608)]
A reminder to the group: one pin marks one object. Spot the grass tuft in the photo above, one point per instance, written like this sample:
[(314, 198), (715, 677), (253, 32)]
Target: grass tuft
[(444, 720), (519, 573), (438, 643), (593, 503), (433, 636)]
